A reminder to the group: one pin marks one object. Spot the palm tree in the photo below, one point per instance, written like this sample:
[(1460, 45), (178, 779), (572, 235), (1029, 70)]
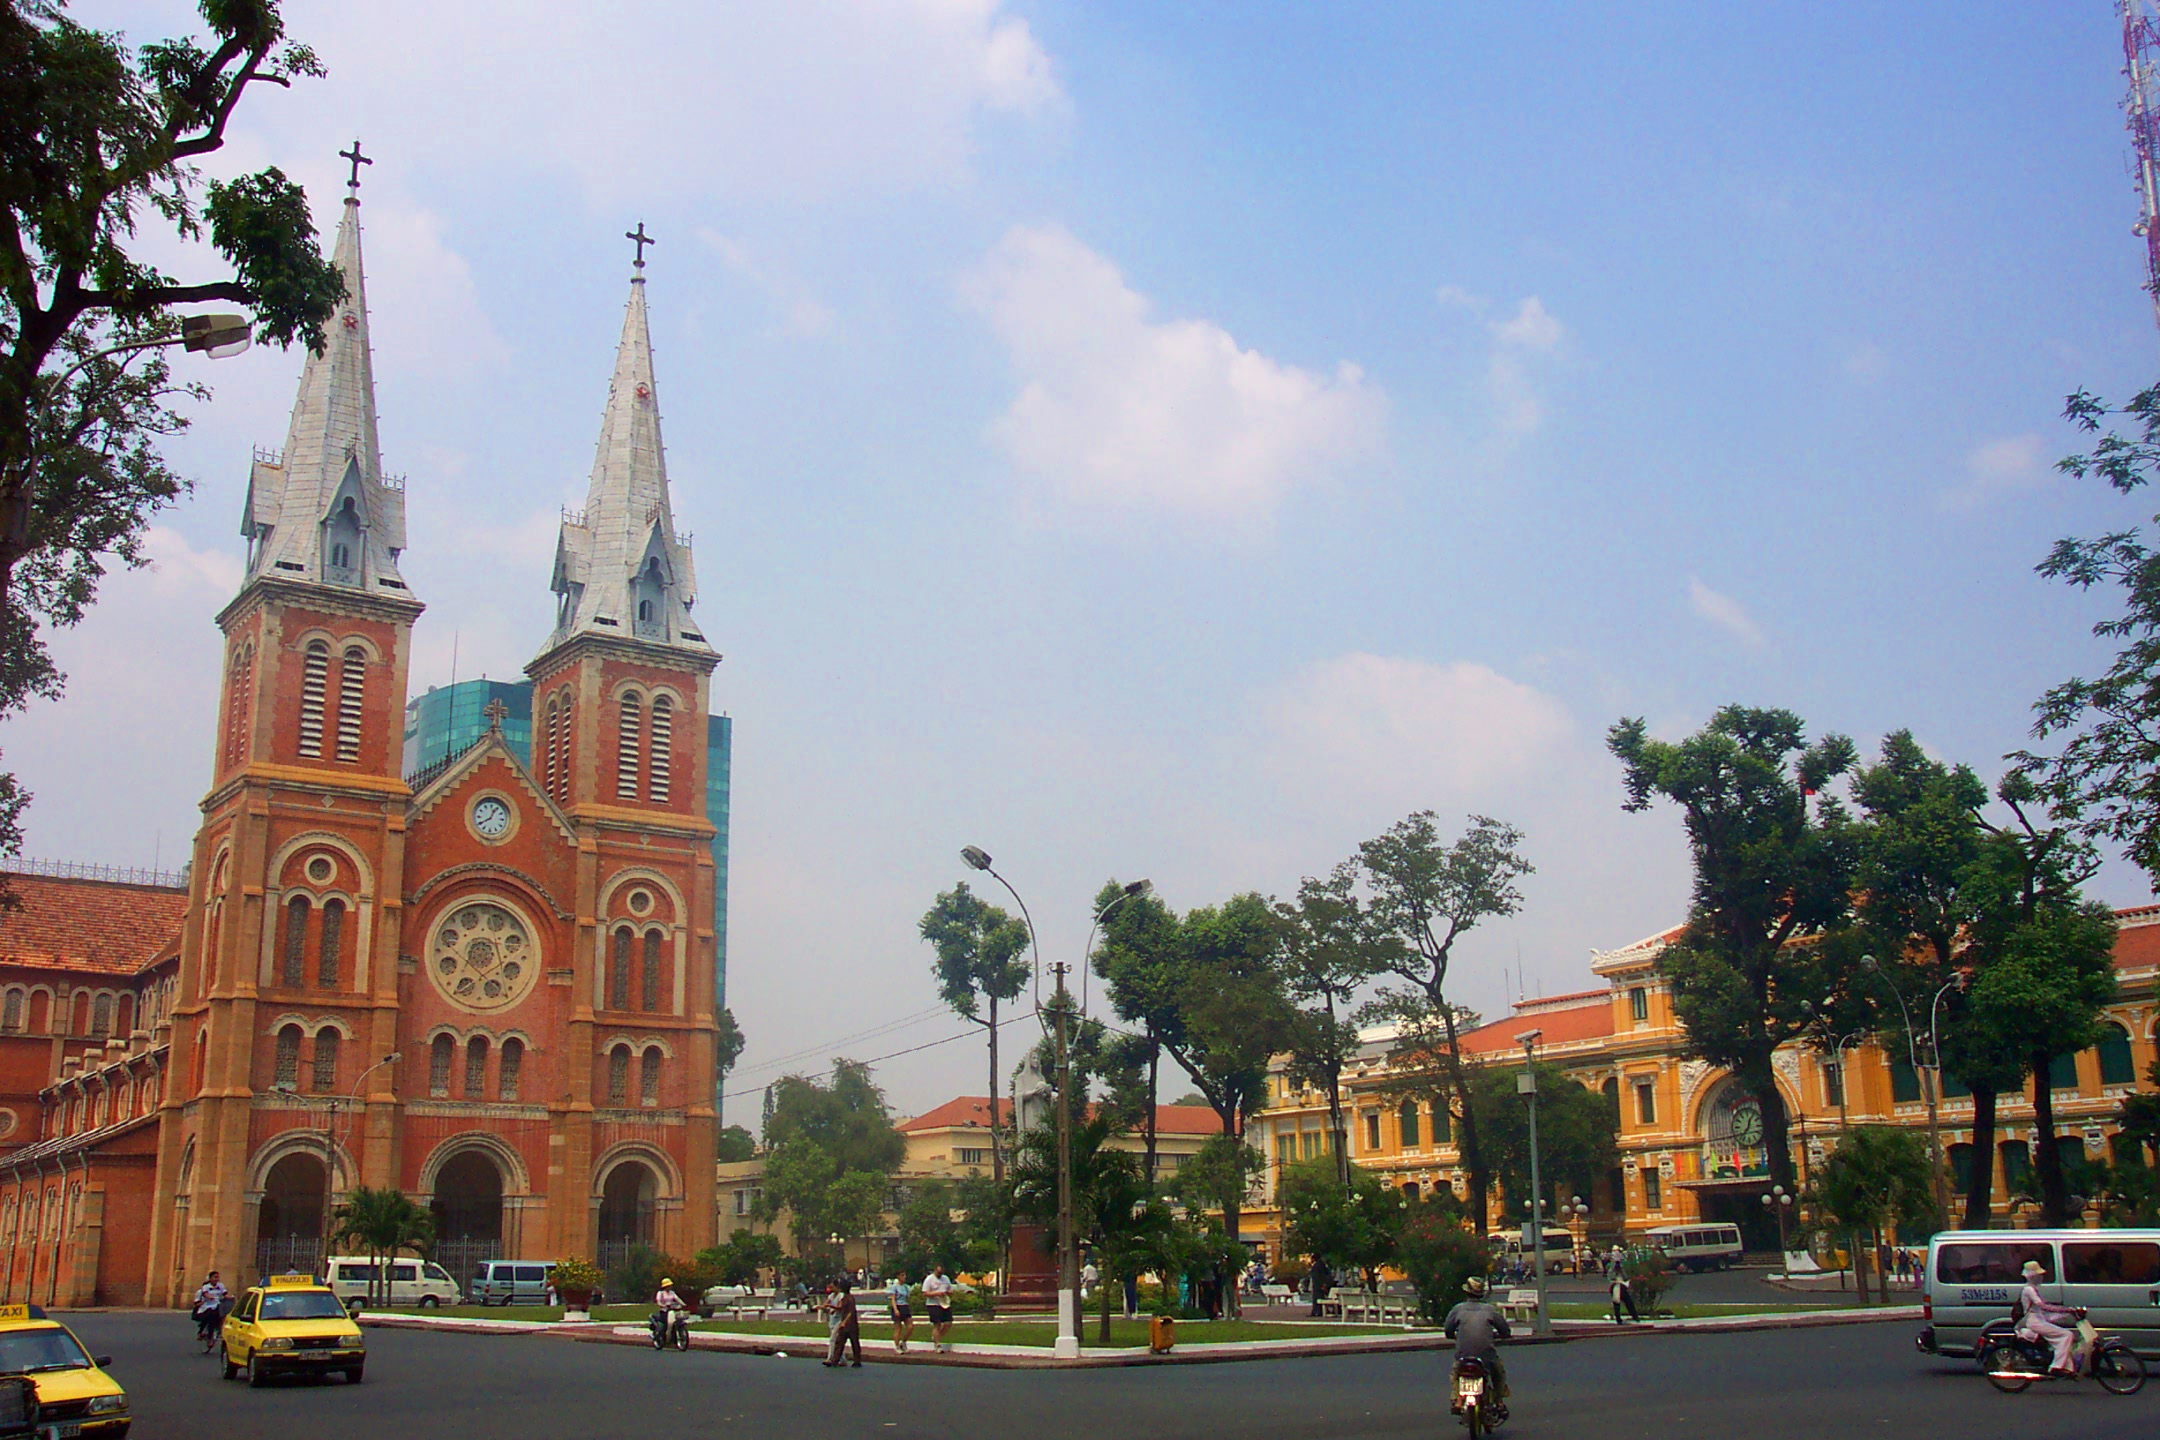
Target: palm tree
[(384, 1222)]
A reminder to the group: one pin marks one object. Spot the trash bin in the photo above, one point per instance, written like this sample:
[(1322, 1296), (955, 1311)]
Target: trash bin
[(1161, 1333)]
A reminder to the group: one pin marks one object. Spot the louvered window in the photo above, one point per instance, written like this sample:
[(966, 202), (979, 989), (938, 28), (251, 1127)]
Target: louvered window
[(618, 1075), (101, 1015), (326, 1057), (551, 747), (294, 970), (663, 739), (439, 1067), (475, 1068), (626, 747), (240, 697), (333, 938), (288, 1056), (314, 681), (619, 973), (649, 1082), (653, 968), (352, 692), (513, 1058)]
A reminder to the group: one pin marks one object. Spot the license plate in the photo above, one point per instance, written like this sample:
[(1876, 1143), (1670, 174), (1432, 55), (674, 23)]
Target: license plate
[(1473, 1388), (72, 1430)]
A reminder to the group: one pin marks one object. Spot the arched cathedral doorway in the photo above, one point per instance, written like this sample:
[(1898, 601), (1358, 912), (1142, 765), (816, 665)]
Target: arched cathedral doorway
[(468, 1209), (289, 1222), (627, 1201)]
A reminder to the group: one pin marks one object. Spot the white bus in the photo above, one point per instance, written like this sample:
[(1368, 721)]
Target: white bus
[(1698, 1247)]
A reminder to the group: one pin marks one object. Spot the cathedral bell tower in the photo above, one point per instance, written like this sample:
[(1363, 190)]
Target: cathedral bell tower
[(288, 975)]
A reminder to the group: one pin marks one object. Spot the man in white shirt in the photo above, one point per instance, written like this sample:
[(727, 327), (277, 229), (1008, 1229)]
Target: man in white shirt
[(937, 1299)]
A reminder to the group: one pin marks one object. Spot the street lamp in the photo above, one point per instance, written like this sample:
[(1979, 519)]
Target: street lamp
[(1068, 1336), (1930, 1082), (1526, 1084), (330, 1109), (1780, 1203)]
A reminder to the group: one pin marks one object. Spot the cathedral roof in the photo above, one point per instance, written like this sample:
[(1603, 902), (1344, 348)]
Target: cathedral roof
[(305, 502), (90, 925), (621, 570)]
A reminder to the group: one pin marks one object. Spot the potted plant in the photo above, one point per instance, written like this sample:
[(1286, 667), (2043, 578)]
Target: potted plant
[(577, 1280)]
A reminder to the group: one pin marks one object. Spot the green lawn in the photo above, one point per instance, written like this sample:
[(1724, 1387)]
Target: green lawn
[(533, 1313), (1124, 1334)]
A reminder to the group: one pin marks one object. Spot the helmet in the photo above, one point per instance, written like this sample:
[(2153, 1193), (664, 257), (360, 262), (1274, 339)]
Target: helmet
[(668, 1284), (1474, 1286)]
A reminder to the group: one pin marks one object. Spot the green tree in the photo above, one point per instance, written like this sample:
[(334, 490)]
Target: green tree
[(1576, 1130), (742, 1257), (2137, 1120), (1114, 1207), (383, 1224), (1879, 1176), (1352, 1227), (94, 138), (735, 1145), (1331, 950), (1438, 1252), (981, 963), (1773, 871), (830, 1153), (1427, 895), (939, 1224), (2105, 776)]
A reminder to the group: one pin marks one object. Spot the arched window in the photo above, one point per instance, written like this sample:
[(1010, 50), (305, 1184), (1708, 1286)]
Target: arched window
[(333, 937), (294, 970), (619, 972), (439, 1067), (564, 740), (314, 683), (550, 747), (239, 699), (352, 693), (654, 966), (326, 1058), (626, 745), (2117, 1067), (649, 1082), (341, 550), (506, 1077), (101, 1015), (1961, 1168), (663, 741), (288, 1057), (476, 1068), (1407, 1117), (11, 1012), (618, 1075)]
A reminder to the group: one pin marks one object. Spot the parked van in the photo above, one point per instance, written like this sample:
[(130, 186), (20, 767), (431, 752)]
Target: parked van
[(513, 1282), (1973, 1276), (1508, 1247), (412, 1282), (1698, 1247)]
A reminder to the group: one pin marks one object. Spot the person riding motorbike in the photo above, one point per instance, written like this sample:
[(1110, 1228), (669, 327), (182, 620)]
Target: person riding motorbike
[(2042, 1319), (1474, 1324), (208, 1307), (672, 1310)]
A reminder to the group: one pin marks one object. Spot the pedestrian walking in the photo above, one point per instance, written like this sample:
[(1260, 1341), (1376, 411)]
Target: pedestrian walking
[(900, 1297), (846, 1325), (937, 1300), (1088, 1276), (1622, 1295)]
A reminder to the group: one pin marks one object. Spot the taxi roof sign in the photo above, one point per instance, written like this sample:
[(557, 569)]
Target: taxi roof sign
[(10, 1314), (293, 1281)]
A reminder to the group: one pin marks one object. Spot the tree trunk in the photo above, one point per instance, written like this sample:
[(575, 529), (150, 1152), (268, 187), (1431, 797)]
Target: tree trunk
[(1980, 1193), (2047, 1161), (1761, 1081), (1859, 1266), (997, 1150), (1154, 1065), (1336, 1126), (1473, 1154)]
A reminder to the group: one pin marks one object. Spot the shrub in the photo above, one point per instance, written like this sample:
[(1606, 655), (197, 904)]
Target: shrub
[(638, 1275), (1649, 1275), (1438, 1253), (577, 1274)]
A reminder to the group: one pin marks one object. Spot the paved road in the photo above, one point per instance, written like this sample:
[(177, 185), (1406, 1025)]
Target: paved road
[(1841, 1381)]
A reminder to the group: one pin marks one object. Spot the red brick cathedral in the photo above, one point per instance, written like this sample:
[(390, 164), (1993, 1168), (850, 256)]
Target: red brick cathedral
[(488, 986)]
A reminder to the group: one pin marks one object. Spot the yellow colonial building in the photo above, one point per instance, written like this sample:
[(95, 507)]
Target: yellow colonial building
[(1690, 1137)]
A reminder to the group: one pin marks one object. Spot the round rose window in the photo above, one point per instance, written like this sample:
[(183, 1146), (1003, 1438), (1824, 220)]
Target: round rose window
[(482, 956)]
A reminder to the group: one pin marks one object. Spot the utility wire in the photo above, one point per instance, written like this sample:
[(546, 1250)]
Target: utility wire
[(825, 1047), (896, 1054)]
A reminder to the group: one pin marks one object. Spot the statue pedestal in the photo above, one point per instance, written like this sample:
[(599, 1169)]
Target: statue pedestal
[(1031, 1278)]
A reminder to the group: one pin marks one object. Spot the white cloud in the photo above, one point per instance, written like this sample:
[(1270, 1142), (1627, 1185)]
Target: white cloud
[(1998, 469), (1724, 612), (1532, 327), (423, 309), (1391, 725), (1119, 409), (1523, 346), (805, 314)]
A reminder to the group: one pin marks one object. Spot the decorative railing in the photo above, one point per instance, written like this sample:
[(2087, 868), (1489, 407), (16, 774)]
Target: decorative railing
[(264, 455), (427, 773), (83, 870)]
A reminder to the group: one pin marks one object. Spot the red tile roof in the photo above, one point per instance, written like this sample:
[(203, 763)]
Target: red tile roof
[(1561, 1027), (974, 1110), (97, 925)]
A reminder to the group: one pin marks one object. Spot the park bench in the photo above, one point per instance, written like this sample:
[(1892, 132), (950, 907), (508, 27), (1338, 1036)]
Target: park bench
[(1278, 1294), (1520, 1304)]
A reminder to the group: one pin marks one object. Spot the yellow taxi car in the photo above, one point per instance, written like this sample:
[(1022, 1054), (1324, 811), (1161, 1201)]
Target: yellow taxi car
[(293, 1324), (75, 1397)]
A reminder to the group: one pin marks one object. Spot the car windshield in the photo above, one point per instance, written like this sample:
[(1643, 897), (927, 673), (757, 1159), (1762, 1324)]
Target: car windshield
[(302, 1305), (26, 1352)]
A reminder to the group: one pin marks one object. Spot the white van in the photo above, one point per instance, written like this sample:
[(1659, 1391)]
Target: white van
[(1698, 1247), (1973, 1276), (412, 1282)]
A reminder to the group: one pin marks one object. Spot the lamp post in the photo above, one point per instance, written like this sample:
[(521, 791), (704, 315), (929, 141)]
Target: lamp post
[(1578, 1212), (1526, 1084), (1068, 1309), (1780, 1202), (330, 1109), (1930, 1080)]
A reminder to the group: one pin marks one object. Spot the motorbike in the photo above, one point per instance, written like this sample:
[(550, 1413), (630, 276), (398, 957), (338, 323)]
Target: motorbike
[(2013, 1362), (1476, 1399), (669, 1327)]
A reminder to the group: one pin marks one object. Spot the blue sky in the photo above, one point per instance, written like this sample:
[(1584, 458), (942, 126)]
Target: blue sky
[(1181, 440)]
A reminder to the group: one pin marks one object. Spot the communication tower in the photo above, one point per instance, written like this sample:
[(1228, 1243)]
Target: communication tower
[(2141, 107)]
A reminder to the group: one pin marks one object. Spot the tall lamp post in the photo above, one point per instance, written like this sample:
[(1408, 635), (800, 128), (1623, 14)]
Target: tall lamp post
[(1526, 1084), (1780, 1202), (329, 1142), (1930, 1076)]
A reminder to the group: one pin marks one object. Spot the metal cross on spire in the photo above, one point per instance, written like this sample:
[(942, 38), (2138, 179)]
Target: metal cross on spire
[(641, 240), (495, 711), (358, 160)]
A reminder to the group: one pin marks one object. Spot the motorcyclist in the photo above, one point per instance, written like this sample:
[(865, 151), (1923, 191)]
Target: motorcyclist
[(672, 1310), (1474, 1324), (209, 1303), (2042, 1319)]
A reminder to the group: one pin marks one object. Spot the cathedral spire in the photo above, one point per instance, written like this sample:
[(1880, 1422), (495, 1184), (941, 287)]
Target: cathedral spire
[(621, 571), (322, 510)]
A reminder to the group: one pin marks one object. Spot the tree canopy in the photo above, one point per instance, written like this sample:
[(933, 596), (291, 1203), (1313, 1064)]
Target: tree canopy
[(981, 963), (1577, 1130)]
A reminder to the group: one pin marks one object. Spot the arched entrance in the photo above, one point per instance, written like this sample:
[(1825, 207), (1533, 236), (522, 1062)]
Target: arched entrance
[(626, 1211), (289, 1222), (468, 1208)]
